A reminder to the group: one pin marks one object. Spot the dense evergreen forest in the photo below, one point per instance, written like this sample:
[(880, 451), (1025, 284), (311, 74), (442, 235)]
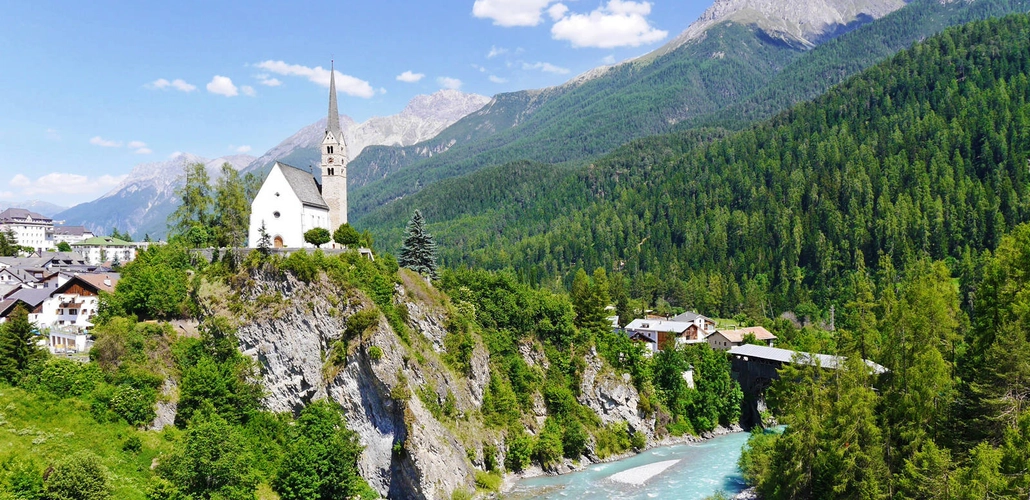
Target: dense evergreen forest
[(925, 154), (730, 77)]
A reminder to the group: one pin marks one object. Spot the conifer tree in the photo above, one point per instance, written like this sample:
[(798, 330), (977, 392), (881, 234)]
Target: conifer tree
[(18, 349), (264, 240), (419, 251)]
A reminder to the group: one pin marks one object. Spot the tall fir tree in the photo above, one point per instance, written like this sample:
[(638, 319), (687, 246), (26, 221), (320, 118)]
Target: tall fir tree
[(419, 250), (18, 349)]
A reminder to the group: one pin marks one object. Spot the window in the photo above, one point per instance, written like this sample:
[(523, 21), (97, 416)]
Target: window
[(329, 150), (275, 214), (73, 312)]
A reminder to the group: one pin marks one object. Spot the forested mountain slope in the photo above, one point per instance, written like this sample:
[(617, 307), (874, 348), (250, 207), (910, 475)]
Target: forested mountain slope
[(733, 74), (925, 153)]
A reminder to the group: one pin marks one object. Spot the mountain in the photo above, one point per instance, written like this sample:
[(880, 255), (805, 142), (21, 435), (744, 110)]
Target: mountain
[(423, 118), (924, 154), (40, 207), (735, 49), (140, 205)]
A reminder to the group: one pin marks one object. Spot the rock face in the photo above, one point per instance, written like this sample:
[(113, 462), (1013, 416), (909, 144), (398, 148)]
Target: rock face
[(408, 453), (612, 397)]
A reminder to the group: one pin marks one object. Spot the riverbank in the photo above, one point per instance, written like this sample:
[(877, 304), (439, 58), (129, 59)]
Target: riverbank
[(592, 464)]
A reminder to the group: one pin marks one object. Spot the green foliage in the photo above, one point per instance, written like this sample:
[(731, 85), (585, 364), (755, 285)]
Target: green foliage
[(63, 246), (346, 235), (574, 439), (18, 348), (231, 214), (361, 322), (321, 460), (419, 250), (317, 236), (638, 441), (612, 440), (134, 405), (217, 375), (154, 285), (191, 219), (488, 481), (80, 476), (548, 447), (520, 449), (211, 461), (9, 243), (375, 353)]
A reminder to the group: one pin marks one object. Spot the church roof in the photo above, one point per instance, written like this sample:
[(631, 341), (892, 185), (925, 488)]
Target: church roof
[(334, 114), (303, 184)]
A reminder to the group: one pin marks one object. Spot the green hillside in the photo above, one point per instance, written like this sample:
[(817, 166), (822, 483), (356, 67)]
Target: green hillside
[(925, 153), (732, 76)]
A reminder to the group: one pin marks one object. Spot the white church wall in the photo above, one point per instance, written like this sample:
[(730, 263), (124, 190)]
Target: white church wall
[(277, 197)]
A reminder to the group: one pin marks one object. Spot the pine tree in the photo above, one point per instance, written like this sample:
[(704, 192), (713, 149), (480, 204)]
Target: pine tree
[(264, 240), (419, 250), (18, 349)]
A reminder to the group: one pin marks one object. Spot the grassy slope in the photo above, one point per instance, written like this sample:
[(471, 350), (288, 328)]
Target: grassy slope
[(45, 429)]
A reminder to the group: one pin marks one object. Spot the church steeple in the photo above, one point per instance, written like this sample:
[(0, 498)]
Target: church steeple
[(334, 114), (334, 161)]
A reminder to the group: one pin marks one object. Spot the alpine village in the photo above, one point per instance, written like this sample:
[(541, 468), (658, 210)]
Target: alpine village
[(785, 255)]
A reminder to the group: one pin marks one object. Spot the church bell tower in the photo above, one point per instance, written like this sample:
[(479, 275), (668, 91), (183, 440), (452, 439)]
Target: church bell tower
[(334, 163)]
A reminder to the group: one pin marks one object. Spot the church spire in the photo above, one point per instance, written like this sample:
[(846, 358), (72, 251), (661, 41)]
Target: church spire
[(334, 115)]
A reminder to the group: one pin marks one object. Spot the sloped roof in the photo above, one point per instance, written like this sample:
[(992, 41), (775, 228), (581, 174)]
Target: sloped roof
[(102, 241), (303, 185), (97, 281), (759, 332), (20, 214), (805, 358), (71, 230), (688, 317), (658, 325), (32, 296)]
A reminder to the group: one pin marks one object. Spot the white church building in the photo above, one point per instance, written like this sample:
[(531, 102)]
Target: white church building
[(290, 201)]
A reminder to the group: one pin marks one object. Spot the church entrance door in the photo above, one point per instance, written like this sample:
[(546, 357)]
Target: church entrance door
[(278, 242)]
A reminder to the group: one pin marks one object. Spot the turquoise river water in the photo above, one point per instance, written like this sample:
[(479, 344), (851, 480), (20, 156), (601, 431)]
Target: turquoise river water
[(682, 472)]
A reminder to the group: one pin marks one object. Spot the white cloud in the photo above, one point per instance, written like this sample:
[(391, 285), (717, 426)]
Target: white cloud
[(175, 154), (557, 11), (248, 91), (382, 90), (449, 83), (222, 85), (344, 83), (99, 141), (242, 149), (136, 145), (608, 59), (268, 81), (61, 183), (144, 151), (177, 84), (546, 68), (20, 180), (410, 77), (496, 51), (511, 12), (497, 79), (620, 23)]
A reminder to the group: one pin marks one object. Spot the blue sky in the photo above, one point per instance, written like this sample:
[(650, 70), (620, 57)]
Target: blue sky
[(90, 89)]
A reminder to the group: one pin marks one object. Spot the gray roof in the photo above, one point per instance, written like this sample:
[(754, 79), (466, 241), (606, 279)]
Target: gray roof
[(687, 317), (20, 214), (303, 184), (805, 358), (71, 230), (32, 296)]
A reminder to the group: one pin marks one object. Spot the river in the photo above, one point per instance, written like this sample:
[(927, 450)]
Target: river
[(683, 472)]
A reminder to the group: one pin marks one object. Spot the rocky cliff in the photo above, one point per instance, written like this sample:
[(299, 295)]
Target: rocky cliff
[(384, 379)]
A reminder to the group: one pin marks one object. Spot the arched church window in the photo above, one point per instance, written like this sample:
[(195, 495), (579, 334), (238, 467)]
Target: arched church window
[(329, 149)]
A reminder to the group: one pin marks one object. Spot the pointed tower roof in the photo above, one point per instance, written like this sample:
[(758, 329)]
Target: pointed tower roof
[(334, 114)]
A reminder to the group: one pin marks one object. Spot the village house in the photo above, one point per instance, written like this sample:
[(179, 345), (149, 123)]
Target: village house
[(63, 313), (701, 327), (659, 333), (29, 228), (71, 234), (724, 340), (102, 249)]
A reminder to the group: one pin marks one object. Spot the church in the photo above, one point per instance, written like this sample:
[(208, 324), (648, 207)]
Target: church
[(291, 202)]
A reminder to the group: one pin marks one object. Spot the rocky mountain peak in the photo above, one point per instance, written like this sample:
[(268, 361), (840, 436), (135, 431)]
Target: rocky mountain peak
[(444, 105)]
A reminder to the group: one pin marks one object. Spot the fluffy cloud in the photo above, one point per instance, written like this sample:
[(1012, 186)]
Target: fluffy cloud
[(497, 79), (144, 151), (608, 59), (619, 23), (248, 91), (449, 83), (511, 12), (140, 147), (268, 81), (242, 149), (557, 11), (545, 67), (177, 84), (410, 77), (344, 83), (496, 51), (99, 141), (61, 183), (222, 85)]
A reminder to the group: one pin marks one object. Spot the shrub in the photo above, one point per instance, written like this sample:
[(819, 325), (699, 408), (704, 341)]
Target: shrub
[(612, 440), (360, 322), (132, 445), (134, 405), (79, 476), (574, 441), (375, 353), (548, 449), (680, 426), (520, 449), (490, 457), (317, 236), (639, 441), (488, 481)]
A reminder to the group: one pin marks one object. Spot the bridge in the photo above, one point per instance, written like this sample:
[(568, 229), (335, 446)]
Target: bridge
[(755, 367)]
